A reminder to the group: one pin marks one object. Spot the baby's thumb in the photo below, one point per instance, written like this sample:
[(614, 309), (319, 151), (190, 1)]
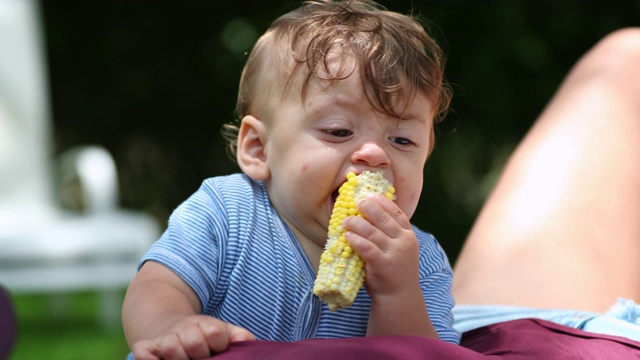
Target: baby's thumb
[(237, 333)]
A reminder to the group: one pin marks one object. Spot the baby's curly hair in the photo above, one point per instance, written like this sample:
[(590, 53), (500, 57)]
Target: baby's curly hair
[(393, 53)]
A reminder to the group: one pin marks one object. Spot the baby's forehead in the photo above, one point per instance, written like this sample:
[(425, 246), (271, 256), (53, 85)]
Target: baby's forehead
[(352, 89)]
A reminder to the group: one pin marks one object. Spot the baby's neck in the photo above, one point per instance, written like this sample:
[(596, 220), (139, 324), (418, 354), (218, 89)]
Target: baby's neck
[(311, 250)]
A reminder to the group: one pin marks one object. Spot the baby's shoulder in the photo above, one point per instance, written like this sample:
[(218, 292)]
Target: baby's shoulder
[(235, 195), (232, 188)]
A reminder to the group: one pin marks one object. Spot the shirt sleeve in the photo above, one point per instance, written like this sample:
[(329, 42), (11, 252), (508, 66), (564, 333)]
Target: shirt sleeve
[(436, 277), (190, 246)]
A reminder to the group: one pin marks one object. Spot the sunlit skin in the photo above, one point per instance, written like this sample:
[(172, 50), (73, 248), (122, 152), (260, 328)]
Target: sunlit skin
[(564, 215), (303, 151)]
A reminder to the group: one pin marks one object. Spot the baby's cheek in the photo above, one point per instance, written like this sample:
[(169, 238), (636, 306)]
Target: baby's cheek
[(409, 203)]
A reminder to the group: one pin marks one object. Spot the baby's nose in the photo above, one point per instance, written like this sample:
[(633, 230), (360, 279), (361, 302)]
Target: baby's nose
[(371, 154)]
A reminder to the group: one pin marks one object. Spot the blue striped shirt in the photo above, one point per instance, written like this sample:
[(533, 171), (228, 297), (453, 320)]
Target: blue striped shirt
[(229, 244)]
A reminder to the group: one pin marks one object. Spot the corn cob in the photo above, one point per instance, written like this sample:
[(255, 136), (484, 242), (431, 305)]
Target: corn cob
[(341, 272)]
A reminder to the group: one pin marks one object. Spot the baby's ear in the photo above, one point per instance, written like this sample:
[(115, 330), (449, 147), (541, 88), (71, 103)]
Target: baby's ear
[(251, 148)]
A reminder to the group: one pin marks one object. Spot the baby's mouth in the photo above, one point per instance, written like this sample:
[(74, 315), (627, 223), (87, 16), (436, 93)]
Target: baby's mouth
[(334, 196)]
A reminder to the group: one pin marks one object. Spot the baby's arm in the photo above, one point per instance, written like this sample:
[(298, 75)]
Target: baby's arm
[(388, 245), (161, 319)]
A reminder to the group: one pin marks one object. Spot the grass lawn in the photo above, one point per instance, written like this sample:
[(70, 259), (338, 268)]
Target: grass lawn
[(64, 328)]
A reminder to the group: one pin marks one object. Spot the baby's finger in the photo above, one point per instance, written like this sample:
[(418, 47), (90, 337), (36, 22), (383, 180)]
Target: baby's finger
[(219, 334), (368, 250), (194, 343), (375, 210), (391, 208), (375, 214), (170, 348), (144, 350), (237, 333), (385, 215)]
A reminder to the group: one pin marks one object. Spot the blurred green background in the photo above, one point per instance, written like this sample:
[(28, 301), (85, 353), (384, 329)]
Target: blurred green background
[(154, 81)]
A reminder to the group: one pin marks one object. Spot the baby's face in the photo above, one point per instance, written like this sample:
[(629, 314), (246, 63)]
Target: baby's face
[(311, 146)]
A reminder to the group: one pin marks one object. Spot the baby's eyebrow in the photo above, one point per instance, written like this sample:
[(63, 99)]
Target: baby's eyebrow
[(322, 102), (408, 116), (408, 121)]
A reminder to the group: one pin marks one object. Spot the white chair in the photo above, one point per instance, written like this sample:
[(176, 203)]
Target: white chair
[(43, 247)]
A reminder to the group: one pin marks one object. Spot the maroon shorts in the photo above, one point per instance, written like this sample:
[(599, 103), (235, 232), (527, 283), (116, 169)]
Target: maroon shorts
[(515, 340)]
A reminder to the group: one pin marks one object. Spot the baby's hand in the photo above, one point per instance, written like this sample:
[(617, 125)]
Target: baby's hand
[(386, 242), (193, 337)]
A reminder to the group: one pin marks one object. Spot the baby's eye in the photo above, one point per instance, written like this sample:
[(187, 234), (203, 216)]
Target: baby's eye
[(339, 132), (401, 141)]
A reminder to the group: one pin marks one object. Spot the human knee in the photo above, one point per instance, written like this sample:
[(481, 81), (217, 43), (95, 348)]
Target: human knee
[(626, 40), (611, 67), (621, 49)]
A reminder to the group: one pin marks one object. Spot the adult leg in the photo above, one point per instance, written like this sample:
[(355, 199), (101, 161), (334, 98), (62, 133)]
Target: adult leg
[(561, 229)]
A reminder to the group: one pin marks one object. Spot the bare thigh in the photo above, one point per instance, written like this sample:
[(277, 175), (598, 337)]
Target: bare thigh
[(562, 227)]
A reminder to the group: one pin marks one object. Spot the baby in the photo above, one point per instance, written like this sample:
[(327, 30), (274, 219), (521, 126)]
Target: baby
[(332, 87)]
